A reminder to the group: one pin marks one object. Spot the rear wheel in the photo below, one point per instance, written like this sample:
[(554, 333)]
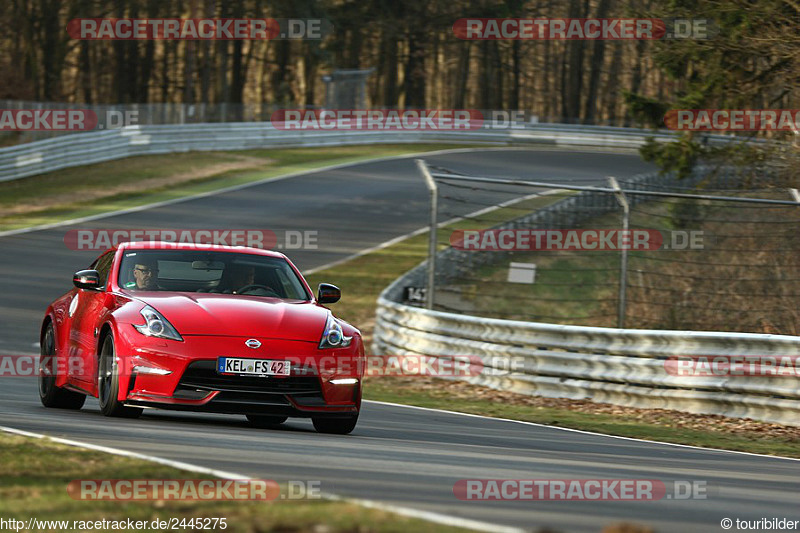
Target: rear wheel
[(338, 426), (49, 393), (261, 421), (108, 383)]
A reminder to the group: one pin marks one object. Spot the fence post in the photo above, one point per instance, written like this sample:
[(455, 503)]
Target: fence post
[(432, 238), (623, 267)]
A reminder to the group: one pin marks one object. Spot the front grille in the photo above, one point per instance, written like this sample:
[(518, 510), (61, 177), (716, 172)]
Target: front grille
[(250, 398), (202, 376)]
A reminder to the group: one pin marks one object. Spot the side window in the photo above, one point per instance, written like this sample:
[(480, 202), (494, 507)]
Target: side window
[(103, 266)]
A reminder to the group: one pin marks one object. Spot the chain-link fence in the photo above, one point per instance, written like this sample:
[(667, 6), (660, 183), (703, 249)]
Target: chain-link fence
[(709, 252)]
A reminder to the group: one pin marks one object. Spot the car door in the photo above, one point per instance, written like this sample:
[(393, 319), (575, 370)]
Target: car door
[(85, 322)]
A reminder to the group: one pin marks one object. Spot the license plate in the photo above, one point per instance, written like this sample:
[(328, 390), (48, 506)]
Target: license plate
[(254, 367)]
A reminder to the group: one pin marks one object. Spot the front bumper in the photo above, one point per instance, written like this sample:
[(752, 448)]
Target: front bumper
[(189, 380)]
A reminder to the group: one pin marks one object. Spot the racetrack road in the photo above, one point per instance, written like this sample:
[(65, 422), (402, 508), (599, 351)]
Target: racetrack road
[(405, 456)]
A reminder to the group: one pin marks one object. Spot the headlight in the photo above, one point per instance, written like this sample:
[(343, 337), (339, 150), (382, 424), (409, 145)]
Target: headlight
[(333, 336), (155, 325)]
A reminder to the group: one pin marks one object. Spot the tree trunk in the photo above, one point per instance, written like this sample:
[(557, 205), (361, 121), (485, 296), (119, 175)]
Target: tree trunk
[(515, 75), (547, 83), (223, 88), (596, 67), (85, 72), (238, 71), (498, 95), (573, 85), (390, 86), (190, 58), (310, 61), (53, 49), (121, 74), (354, 48), (491, 78), (414, 79), (611, 94), (484, 78), (636, 75), (280, 78), (462, 76), (134, 66), (205, 63)]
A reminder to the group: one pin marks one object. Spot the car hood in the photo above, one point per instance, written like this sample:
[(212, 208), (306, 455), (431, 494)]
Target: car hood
[(240, 316)]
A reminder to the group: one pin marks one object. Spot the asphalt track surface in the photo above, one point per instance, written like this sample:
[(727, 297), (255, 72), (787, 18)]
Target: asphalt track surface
[(397, 455)]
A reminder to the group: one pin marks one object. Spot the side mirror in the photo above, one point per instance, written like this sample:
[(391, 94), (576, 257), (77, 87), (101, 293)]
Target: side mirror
[(328, 294), (86, 279)]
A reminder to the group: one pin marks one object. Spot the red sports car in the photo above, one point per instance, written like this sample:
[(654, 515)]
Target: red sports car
[(202, 328)]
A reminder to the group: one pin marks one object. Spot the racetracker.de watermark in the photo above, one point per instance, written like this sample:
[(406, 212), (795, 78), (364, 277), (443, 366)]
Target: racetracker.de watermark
[(194, 29), (373, 365), (23, 366), (47, 119), (191, 490), (733, 119), (583, 29), (378, 119), (65, 119), (385, 365), (700, 366), (628, 490), (103, 239), (503, 240)]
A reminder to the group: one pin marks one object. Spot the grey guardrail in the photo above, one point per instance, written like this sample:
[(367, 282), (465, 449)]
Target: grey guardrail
[(76, 149), (621, 366)]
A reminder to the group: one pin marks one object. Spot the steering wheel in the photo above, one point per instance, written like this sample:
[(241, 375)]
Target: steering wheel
[(247, 288)]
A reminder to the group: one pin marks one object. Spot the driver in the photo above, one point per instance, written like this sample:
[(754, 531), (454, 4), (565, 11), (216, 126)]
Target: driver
[(242, 276), (145, 273)]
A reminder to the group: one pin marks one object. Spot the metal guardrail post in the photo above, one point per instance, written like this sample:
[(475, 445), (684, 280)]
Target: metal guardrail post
[(432, 238), (623, 267)]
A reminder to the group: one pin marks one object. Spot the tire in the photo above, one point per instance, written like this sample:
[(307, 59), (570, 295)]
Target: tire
[(108, 383), (261, 421), (336, 426), (50, 395)]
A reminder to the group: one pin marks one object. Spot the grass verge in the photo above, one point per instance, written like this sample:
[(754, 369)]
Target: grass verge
[(36, 472), (125, 183)]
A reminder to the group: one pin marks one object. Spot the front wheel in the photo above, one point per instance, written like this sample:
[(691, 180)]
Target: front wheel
[(337, 426), (108, 383), (49, 393)]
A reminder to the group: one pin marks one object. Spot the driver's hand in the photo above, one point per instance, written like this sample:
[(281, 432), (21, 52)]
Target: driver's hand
[(258, 290)]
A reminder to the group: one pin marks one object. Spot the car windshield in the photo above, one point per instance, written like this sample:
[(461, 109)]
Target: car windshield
[(210, 272)]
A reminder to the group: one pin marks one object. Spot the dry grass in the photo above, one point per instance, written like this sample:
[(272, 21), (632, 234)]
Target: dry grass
[(228, 162), (746, 278)]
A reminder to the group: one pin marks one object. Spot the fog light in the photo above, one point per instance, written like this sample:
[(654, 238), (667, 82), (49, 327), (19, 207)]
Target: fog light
[(151, 370), (344, 381)]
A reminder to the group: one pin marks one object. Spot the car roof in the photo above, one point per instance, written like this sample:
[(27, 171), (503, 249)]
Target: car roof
[(162, 245)]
